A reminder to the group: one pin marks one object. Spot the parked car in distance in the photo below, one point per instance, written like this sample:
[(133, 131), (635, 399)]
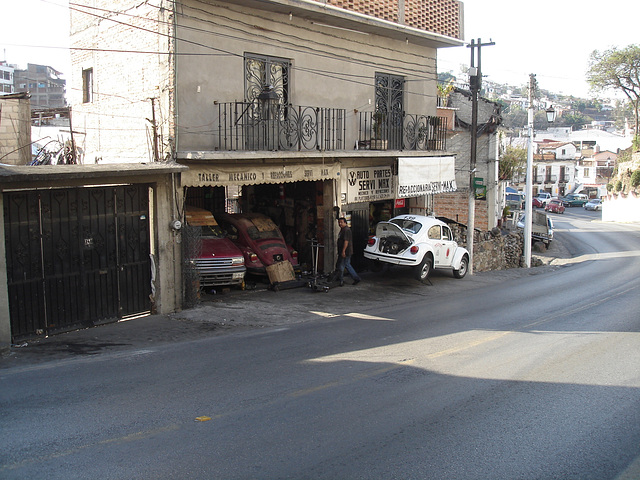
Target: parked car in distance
[(260, 240), (575, 200), (537, 203), (217, 259), (541, 226), (544, 198), (419, 242), (555, 205), (515, 201), (594, 204)]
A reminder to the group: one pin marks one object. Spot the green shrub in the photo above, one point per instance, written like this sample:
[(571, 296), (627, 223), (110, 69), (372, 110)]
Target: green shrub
[(635, 179), (618, 186)]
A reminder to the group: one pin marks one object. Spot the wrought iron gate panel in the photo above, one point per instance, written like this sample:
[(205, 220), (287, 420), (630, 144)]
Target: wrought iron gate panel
[(97, 218), (133, 249), (76, 256), (24, 263), (61, 257)]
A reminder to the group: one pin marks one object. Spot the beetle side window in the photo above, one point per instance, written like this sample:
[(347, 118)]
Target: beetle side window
[(434, 232), (446, 233)]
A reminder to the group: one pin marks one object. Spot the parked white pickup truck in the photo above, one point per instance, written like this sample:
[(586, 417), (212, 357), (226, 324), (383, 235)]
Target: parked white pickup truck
[(541, 227), (544, 197)]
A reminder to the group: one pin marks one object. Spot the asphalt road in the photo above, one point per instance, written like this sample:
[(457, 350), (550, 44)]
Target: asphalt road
[(503, 376)]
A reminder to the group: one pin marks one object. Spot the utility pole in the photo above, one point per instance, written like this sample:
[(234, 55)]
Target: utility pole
[(528, 206), (74, 158), (154, 127), (475, 84)]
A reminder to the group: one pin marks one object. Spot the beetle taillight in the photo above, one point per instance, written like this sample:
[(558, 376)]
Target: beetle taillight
[(414, 249), (371, 241)]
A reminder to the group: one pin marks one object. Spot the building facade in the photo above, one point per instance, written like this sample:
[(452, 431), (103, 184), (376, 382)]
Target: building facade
[(489, 191), (44, 84), (6, 78), (15, 129), (301, 110)]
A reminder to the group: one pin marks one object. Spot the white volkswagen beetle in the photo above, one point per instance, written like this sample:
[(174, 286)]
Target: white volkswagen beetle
[(418, 241)]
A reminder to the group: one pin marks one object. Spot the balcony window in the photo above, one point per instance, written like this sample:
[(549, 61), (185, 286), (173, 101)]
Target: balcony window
[(87, 85), (260, 71)]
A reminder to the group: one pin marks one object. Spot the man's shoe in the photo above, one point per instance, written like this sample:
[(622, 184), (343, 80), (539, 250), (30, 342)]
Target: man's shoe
[(355, 282), (341, 283)]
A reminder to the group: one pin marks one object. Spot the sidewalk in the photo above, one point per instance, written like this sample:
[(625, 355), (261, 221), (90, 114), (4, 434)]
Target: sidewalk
[(260, 308)]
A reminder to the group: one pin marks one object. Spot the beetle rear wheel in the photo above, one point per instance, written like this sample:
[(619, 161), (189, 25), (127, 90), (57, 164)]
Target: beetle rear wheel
[(422, 271)]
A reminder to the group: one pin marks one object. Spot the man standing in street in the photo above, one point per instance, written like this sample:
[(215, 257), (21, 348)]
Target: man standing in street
[(345, 250)]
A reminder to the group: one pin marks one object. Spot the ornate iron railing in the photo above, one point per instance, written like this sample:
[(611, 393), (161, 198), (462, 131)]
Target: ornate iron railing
[(255, 126), (401, 131)]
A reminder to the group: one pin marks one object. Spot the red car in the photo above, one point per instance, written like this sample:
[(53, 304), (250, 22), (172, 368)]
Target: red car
[(260, 240), (537, 203), (217, 259), (555, 205)]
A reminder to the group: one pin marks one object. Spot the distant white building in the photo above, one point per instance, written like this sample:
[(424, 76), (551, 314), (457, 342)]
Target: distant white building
[(586, 139), (6, 78)]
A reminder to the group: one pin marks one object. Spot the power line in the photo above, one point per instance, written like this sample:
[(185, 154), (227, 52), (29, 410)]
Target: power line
[(329, 74)]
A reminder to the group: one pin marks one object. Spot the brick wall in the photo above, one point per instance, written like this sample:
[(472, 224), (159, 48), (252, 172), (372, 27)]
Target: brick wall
[(455, 205), (115, 123), (438, 16), (15, 131)]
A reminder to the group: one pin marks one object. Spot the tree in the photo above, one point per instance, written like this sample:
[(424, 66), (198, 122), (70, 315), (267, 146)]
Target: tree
[(446, 77), (512, 162), (618, 69), (574, 119), (514, 117)]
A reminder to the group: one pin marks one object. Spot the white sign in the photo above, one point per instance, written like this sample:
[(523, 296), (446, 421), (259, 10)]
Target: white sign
[(220, 175), (419, 176), (369, 184)]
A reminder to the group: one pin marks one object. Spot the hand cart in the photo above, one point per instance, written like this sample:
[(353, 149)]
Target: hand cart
[(317, 282)]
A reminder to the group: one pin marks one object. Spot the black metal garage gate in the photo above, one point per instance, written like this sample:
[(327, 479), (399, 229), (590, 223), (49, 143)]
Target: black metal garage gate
[(76, 257)]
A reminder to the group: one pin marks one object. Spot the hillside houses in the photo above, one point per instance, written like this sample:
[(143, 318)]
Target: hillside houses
[(567, 161)]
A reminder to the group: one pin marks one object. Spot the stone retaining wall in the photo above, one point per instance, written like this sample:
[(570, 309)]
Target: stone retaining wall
[(492, 250)]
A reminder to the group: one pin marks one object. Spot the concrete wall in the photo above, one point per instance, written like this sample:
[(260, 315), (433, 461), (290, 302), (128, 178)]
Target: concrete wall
[(15, 131), (621, 208), (330, 67)]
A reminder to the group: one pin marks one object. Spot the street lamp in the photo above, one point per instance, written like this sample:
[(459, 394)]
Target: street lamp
[(551, 114), (528, 208)]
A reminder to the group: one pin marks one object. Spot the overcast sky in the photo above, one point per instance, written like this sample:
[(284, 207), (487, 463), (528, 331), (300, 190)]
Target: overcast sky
[(551, 38), (36, 31)]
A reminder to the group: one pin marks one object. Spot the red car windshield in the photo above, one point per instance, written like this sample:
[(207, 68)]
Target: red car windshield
[(211, 231)]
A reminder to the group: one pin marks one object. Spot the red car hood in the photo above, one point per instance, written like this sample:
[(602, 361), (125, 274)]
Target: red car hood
[(219, 248)]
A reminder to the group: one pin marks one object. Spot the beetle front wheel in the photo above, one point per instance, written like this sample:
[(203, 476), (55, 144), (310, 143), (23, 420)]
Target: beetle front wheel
[(464, 266)]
